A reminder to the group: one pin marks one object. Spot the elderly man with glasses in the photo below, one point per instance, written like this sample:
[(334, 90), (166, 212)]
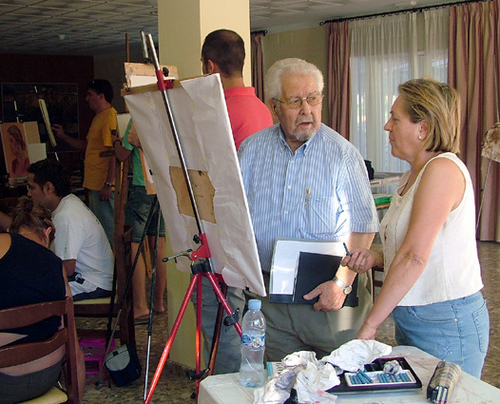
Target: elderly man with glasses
[(305, 181)]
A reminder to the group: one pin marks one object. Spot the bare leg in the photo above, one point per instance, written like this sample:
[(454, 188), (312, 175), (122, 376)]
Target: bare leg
[(161, 275), (141, 307)]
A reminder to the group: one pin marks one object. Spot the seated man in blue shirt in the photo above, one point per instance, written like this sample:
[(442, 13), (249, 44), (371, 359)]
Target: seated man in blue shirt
[(303, 180)]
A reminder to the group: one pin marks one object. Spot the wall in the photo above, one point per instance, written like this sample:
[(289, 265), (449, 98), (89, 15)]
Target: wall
[(110, 67), (310, 44), (53, 69)]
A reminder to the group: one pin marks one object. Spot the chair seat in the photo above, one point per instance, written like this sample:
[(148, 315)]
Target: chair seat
[(53, 396)]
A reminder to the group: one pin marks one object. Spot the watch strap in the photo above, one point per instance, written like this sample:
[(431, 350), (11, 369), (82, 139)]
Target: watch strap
[(341, 284)]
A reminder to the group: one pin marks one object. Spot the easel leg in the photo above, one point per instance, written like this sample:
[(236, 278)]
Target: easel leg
[(171, 338), (196, 280)]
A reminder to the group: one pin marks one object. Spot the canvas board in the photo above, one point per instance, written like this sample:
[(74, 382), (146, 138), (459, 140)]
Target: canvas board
[(15, 147), (200, 116)]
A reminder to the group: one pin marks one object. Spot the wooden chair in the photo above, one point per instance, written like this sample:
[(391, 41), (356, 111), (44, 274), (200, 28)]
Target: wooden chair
[(96, 308), (122, 247), (11, 355)]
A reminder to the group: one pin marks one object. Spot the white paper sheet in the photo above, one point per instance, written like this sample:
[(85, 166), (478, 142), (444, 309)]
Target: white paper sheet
[(203, 126), (286, 260)]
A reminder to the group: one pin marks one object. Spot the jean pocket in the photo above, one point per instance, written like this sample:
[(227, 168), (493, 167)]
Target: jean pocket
[(436, 313), (482, 322)]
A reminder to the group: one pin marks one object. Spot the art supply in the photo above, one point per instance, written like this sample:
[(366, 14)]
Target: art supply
[(442, 382), (346, 250), (253, 343)]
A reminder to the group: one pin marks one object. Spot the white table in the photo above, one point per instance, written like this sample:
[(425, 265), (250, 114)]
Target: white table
[(225, 389)]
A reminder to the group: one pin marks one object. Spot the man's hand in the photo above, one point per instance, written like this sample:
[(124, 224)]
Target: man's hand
[(331, 297), (58, 130), (105, 193)]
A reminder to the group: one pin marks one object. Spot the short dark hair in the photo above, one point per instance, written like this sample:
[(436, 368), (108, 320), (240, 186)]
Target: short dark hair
[(225, 48), (49, 170), (101, 86)]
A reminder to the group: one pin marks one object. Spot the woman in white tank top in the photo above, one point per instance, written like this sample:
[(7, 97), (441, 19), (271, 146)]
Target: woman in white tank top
[(432, 275)]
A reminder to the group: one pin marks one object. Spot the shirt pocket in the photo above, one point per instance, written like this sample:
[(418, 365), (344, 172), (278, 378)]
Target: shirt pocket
[(321, 214)]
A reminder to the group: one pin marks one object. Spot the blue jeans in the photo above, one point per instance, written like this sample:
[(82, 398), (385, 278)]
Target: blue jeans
[(104, 211), (456, 330), (137, 209)]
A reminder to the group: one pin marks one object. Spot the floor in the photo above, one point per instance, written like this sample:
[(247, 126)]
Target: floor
[(174, 387)]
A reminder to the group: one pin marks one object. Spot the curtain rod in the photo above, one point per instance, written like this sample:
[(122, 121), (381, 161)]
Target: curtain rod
[(410, 10)]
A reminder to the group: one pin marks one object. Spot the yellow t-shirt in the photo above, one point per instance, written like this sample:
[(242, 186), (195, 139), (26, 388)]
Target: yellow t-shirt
[(98, 140)]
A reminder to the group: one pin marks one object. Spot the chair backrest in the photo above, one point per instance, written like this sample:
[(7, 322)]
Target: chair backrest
[(22, 316), (100, 308)]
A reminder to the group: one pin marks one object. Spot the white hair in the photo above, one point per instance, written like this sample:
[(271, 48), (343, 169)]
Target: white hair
[(272, 84)]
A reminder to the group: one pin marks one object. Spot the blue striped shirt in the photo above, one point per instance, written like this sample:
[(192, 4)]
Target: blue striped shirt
[(321, 192)]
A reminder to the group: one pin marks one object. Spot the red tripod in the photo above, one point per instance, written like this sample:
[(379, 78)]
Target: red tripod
[(200, 259)]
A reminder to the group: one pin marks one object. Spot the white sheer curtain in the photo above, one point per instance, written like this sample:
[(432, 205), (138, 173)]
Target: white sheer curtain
[(384, 53)]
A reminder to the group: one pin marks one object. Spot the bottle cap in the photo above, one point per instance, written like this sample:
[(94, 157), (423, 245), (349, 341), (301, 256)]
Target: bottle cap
[(254, 304)]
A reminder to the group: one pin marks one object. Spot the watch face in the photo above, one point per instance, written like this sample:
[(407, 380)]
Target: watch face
[(348, 290)]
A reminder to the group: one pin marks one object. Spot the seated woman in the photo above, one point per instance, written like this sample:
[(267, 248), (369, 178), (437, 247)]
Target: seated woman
[(30, 273)]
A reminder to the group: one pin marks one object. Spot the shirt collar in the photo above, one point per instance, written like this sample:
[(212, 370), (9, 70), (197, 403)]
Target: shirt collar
[(304, 148)]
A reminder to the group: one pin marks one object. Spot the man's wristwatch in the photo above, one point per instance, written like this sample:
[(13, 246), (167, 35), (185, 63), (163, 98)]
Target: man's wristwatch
[(108, 184), (342, 285)]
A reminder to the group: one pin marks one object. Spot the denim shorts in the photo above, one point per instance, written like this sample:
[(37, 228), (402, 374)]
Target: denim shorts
[(137, 209), (456, 330)]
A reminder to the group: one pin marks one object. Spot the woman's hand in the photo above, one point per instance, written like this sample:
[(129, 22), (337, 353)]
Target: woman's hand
[(366, 331), (361, 261)]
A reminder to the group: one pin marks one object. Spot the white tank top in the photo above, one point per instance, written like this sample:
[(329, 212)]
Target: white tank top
[(453, 269)]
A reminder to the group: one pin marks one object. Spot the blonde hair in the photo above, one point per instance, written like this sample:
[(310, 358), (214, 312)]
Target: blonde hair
[(438, 104)]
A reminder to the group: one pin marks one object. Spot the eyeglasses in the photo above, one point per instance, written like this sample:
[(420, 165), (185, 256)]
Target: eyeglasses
[(296, 102)]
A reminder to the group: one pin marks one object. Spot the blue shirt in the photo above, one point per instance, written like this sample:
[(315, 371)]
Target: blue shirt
[(321, 192)]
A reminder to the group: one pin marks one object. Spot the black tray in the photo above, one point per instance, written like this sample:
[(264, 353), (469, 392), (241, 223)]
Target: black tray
[(373, 369)]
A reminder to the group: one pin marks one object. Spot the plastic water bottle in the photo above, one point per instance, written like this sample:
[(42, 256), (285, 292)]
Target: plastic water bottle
[(253, 344)]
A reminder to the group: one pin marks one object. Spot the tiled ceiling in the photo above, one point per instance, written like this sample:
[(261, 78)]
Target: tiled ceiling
[(90, 27)]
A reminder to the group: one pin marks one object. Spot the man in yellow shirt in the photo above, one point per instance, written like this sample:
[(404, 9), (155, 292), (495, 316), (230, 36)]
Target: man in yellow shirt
[(99, 171)]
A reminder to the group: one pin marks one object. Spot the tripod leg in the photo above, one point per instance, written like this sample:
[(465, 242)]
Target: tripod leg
[(171, 337), (222, 299), (217, 330)]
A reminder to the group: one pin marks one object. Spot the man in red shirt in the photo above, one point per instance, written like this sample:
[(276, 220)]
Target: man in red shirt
[(223, 52)]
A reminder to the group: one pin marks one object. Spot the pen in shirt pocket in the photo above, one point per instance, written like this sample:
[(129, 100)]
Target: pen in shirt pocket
[(308, 192)]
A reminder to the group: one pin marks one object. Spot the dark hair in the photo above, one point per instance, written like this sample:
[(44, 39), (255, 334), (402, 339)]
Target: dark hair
[(101, 86), (225, 48), (32, 215), (51, 171)]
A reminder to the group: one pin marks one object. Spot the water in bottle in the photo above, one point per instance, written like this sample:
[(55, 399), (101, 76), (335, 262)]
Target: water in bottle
[(253, 341)]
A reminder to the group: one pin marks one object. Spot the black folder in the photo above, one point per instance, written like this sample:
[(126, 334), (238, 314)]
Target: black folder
[(313, 270)]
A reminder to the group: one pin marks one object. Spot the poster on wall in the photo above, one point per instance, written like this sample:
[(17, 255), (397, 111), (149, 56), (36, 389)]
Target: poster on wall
[(21, 102)]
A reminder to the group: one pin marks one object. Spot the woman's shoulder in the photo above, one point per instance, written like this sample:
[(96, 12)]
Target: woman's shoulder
[(445, 164), (5, 242)]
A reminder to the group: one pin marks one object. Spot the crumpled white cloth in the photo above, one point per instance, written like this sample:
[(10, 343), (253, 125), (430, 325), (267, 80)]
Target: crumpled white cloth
[(311, 378), (354, 354)]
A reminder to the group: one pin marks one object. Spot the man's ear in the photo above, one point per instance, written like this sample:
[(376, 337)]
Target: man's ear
[(271, 104), (212, 67), (49, 188)]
